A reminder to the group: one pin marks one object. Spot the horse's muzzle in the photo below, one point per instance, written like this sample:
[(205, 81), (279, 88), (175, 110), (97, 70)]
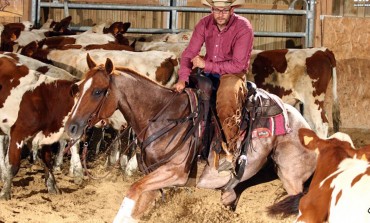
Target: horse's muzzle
[(74, 130)]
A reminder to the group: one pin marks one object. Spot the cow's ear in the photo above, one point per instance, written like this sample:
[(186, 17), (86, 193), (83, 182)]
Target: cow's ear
[(29, 49), (125, 26), (90, 62), (308, 138), (109, 67), (74, 90)]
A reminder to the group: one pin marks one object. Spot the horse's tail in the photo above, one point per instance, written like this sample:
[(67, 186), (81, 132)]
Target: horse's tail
[(335, 106), (286, 207)]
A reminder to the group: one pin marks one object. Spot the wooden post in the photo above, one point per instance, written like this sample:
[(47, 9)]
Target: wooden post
[(323, 7)]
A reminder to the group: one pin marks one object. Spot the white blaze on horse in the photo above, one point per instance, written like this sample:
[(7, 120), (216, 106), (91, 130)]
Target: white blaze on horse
[(167, 127), (339, 188)]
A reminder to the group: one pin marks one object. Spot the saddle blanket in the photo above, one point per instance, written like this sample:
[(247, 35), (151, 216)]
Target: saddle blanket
[(272, 126)]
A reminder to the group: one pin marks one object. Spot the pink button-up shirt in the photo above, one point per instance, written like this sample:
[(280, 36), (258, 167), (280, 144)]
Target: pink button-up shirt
[(227, 51)]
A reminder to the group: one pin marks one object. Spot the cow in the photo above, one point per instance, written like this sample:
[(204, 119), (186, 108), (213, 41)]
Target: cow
[(157, 65), (31, 109), (16, 35), (181, 37), (338, 191), (299, 76), (109, 38)]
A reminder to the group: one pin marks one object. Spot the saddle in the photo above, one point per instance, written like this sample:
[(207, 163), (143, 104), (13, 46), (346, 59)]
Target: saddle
[(261, 102), (263, 115), (263, 108)]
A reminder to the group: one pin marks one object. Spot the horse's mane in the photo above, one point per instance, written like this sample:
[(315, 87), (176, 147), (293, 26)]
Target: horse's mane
[(136, 75)]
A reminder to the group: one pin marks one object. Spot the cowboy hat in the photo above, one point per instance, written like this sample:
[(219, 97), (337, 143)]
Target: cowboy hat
[(222, 3)]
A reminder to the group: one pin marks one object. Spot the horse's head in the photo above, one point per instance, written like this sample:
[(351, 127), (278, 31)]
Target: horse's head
[(96, 99)]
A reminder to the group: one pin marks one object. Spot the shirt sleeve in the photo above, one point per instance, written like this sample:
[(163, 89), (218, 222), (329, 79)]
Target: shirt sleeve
[(239, 63), (192, 50)]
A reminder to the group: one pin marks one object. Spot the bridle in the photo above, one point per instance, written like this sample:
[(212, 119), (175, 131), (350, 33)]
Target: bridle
[(94, 117)]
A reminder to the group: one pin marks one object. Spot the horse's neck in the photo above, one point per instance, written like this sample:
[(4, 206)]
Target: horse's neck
[(141, 99)]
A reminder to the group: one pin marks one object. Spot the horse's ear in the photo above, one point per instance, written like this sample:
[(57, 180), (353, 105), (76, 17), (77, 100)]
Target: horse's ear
[(109, 67), (90, 62)]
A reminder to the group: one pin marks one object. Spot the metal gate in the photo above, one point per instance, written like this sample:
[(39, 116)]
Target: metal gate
[(175, 6)]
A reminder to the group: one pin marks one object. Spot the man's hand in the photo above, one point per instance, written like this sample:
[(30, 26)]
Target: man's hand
[(179, 86), (198, 62)]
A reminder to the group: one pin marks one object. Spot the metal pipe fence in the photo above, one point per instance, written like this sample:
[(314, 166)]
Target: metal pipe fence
[(175, 6)]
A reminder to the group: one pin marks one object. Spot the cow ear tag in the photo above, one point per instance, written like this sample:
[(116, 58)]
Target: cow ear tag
[(307, 140)]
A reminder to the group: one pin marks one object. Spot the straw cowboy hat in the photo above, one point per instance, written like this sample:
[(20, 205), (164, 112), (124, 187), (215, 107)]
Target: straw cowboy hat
[(223, 3)]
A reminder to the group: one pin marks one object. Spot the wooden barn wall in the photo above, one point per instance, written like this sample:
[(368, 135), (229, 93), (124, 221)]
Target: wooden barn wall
[(4, 18), (349, 39), (187, 20), (351, 8)]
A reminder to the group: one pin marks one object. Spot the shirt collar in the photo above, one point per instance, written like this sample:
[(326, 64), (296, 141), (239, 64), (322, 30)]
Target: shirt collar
[(231, 21)]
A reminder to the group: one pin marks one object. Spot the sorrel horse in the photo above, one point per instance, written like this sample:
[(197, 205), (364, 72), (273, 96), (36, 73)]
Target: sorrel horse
[(159, 117)]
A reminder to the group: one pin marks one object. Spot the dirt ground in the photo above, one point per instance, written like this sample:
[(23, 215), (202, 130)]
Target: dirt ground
[(98, 200)]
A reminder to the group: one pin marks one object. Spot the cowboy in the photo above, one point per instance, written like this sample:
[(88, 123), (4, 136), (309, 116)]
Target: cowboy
[(228, 40)]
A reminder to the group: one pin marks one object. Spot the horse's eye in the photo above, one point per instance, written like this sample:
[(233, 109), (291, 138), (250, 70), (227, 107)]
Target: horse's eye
[(97, 92)]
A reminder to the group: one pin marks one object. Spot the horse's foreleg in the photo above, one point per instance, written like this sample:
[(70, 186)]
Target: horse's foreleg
[(164, 176)]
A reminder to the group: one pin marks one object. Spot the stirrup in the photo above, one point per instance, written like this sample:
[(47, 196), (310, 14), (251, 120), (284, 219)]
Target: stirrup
[(239, 171)]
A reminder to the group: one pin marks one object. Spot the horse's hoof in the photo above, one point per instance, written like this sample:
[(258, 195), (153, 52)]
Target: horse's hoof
[(228, 198), (124, 219)]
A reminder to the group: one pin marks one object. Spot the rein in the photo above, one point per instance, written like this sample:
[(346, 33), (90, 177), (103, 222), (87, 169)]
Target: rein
[(174, 122)]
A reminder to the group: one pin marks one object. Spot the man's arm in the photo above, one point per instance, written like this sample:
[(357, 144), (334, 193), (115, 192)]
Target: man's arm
[(191, 51)]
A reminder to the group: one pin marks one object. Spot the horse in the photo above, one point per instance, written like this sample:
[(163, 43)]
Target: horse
[(163, 122)]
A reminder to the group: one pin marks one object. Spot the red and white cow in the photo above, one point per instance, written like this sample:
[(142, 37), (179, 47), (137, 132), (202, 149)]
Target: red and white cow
[(17, 35), (339, 190), (109, 38), (31, 109), (299, 76)]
